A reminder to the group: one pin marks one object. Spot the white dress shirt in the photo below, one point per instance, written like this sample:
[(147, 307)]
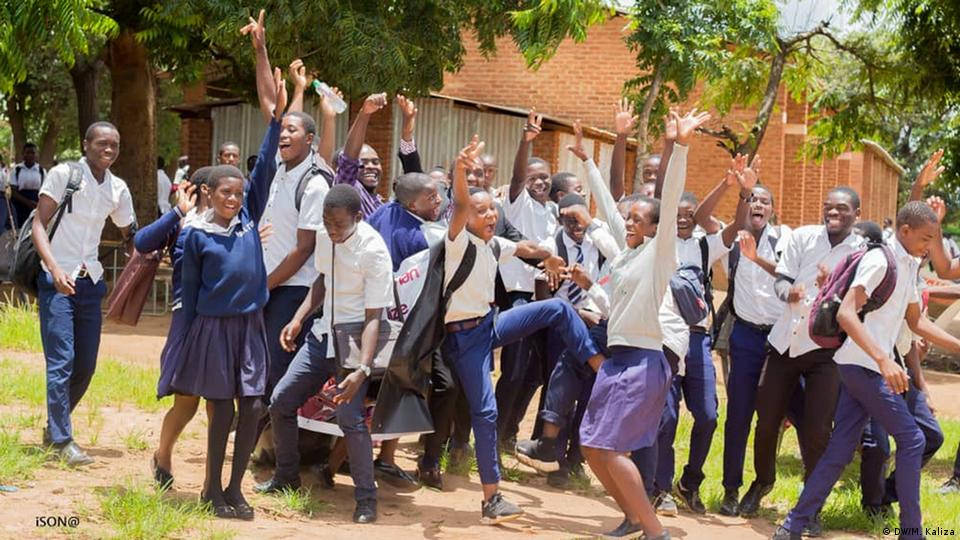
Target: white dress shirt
[(474, 298), (596, 241), (754, 298), (806, 248), (163, 191), (28, 179), (536, 222), (76, 243), (364, 277), (281, 212), (688, 253), (881, 324)]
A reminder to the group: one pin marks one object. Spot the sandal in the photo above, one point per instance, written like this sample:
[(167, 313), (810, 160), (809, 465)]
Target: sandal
[(222, 511), (161, 476), (242, 510)]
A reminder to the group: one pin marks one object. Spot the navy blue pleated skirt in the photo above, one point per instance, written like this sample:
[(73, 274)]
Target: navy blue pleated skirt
[(171, 356), (223, 358)]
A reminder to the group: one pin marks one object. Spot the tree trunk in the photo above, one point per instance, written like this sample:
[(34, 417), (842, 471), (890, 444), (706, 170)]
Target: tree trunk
[(643, 125), (18, 124), (133, 111), (48, 144), (752, 143), (85, 73)]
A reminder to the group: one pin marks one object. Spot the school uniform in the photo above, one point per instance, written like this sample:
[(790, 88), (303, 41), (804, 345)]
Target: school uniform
[(360, 271), (70, 325), (755, 308), (473, 332), (281, 211), (793, 355), (864, 394), (27, 181), (521, 363), (630, 391)]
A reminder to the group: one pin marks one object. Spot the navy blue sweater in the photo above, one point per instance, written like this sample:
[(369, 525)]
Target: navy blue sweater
[(224, 275), (400, 230)]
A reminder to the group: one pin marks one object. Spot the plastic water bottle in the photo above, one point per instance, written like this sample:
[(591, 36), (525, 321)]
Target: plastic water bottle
[(322, 89)]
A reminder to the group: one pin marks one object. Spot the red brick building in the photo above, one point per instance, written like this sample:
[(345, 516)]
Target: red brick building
[(582, 81)]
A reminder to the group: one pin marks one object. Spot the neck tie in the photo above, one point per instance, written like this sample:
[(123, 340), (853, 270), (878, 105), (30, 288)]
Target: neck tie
[(574, 292)]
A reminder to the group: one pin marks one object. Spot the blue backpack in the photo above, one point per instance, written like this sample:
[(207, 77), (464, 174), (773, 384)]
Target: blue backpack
[(689, 294)]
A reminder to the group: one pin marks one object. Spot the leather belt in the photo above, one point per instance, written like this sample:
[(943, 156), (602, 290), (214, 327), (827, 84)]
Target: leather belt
[(765, 328), (82, 273), (466, 324), (698, 330)]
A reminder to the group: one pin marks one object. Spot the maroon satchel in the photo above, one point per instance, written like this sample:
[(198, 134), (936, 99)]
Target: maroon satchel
[(132, 288)]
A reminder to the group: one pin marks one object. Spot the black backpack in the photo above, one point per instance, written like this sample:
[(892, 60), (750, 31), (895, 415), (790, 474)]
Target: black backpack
[(312, 171), (26, 261)]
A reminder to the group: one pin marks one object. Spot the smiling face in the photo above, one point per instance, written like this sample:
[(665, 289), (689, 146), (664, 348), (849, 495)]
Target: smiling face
[(685, 221), (340, 223), (102, 148), (294, 140), (229, 155), (572, 226), (483, 216), (427, 204), (475, 177), (649, 169), (761, 208), (639, 223), (226, 198), (839, 213), (538, 182), (371, 168)]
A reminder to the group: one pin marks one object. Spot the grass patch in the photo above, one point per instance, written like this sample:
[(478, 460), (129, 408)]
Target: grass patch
[(301, 501), (137, 511), (114, 384), (18, 461), (135, 440), (19, 326)]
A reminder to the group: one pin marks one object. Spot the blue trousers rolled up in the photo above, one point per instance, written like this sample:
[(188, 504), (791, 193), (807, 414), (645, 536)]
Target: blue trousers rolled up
[(864, 394), (70, 333), (278, 311), (307, 373)]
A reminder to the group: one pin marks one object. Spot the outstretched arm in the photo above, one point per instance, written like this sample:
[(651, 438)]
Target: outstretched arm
[(669, 139), (623, 121), (265, 89), (358, 131), (606, 205), (746, 178), (328, 135), (461, 191), (928, 174), (530, 132), (298, 74)]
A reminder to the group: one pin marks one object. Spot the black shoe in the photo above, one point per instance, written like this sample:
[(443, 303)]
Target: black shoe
[(750, 503), (220, 509), (47, 441), (274, 485), (813, 528), (950, 486), (241, 508), (625, 530), (541, 454), (507, 445), (877, 511), (326, 476), (498, 510), (783, 534), (431, 477), (559, 478), (71, 454), (731, 503), (366, 511), (161, 476), (393, 475), (691, 497)]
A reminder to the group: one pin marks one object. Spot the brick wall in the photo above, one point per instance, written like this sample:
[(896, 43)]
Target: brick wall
[(196, 138)]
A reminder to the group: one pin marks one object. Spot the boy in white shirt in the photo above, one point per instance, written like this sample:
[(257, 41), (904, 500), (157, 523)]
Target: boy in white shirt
[(872, 383)]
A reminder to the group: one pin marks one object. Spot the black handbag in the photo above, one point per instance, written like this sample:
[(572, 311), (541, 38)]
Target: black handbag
[(346, 336)]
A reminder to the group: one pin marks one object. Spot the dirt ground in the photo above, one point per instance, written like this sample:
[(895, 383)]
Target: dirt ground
[(454, 513)]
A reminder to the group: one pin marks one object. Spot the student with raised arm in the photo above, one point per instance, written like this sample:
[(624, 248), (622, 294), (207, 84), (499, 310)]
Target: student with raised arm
[(872, 382), (473, 331), (359, 164), (618, 421)]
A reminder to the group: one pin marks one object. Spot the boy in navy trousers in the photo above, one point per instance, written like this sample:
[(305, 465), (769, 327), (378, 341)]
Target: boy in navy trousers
[(872, 384)]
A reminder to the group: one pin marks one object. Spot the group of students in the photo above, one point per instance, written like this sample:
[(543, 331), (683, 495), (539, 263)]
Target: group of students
[(597, 312)]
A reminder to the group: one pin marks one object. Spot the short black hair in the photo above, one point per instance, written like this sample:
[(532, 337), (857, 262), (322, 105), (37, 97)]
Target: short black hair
[(201, 176), (30, 145), (765, 188), (689, 197), (226, 144), (654, 208), (560, 182), (849, 192), (218, 173), (161, 163), (916, 214), (869, 230), (342, 196), (571, 199), (309, 124), (251, 162), (409, 186), (102, 124)]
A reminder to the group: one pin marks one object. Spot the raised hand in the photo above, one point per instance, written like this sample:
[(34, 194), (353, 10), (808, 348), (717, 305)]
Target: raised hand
[(748, 245), (733, 174), (326, 108), (409, 110), (579, 213), (931, 169), (186, 197), (553, 264), (374, 103), (688, 124), (532, 129), (256, 30), (470, 153), (669, 126), (624, 119), (298, 74), (280, 86), (938, 206), (577, 147), (750, 174)]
